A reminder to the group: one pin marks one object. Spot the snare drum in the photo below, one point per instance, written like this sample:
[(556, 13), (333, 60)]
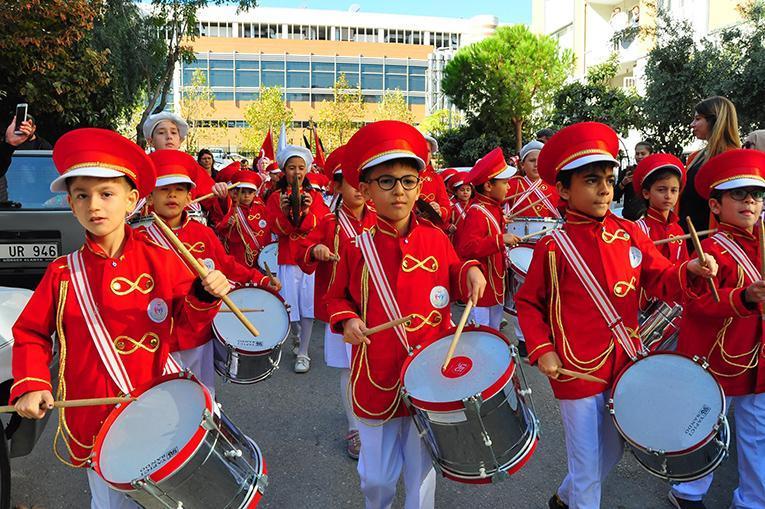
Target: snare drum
[(671, 411), (270, 255), (520, 260), (198, 215), (174, 447), (521, 226), (241, 357), (660, 326), (474, 417), (138, 221)]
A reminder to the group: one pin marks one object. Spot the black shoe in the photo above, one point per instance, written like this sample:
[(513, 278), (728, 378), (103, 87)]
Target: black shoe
[(522, 349), (681, 503), (555, 502)]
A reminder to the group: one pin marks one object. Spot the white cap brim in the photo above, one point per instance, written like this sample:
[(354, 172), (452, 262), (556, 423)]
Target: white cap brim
[(432, 142), (592, 158), (338, 171), (174, 179), (247, 185), (294, 151), (389, 156), (458, 183), (741, 182), (506, 173), (59, 184), (664, 167)]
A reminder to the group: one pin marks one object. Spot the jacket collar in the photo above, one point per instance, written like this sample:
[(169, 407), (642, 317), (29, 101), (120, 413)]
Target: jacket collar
[(94, 248), (737, 232), (387, 228), (657, 216)]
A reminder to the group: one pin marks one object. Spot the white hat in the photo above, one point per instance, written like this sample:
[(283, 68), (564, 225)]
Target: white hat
[(59, 184), (293, 151), (432, 142), (530, 147), (740, 182), (153, 120), (177, 178)]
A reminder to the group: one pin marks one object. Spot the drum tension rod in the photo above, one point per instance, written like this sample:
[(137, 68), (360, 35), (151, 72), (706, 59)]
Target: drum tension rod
[(149, 486)]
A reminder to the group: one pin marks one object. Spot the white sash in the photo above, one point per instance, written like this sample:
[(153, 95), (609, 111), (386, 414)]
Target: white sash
[(540, 195), (598, 296), (739, 256), (489, 216), (382, 285), (242, 219), (460, 209), (346, 225), (643, 226)]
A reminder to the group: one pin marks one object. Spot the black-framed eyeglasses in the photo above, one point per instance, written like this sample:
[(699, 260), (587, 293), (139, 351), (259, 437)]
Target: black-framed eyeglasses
[(388, 182), (757, 195)]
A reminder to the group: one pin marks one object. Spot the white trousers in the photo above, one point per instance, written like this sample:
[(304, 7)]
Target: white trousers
[(593, 448), (337, 353), (102, 496), (491, 316), (297, 291), (749, 412), (199, 361), (517, 329), (387, 451)]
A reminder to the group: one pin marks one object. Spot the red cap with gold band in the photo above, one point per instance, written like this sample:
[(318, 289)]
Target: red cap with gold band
[(575, 146), (228, 172), (490, 166), (174, 167), (380, 142), (334, 163), (248, 179), (731, 170), (101, 153), (650, 164), (447, 174)]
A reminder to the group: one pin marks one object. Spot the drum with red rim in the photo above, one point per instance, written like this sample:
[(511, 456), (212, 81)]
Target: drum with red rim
[(269, 255), (519, 260), (174, 447), (476, 420)]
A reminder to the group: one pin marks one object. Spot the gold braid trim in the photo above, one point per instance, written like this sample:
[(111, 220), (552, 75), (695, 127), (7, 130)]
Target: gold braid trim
[(335, 248), (249, 253)]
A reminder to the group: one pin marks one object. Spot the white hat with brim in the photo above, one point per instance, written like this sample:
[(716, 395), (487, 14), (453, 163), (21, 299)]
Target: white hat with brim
[(592, 158), (432, 142), (166, 180), (740, 182), (389, 156), (153, 120), (248, 185), (506, 173), (293, 151), (530, 147), (59, 184)]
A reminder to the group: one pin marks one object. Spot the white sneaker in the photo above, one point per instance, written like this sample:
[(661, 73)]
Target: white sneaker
[(302, 364)]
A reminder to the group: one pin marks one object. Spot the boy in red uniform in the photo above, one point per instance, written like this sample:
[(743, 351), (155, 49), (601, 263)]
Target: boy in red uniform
[(729, 333), (351, 218), (114, 304), (245, 231), (169, 199), (463, 193), (433, 190), (482, 236), (403, 266), (578, 306), (531, 188)]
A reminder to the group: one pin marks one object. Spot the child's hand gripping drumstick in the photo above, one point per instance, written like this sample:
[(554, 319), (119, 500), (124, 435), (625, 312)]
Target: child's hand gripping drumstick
[(457, 334), (702, 256)]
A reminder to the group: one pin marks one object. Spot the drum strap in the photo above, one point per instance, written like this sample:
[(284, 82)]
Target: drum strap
[(137, 209), (526, 193), (643, 226), (545, 199), (346, 225), (596, 293), (460, 209), (382, 285), (739, 256), (489, 216), (246, 227)]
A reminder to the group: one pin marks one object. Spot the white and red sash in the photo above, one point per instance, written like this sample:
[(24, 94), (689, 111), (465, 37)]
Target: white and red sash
[(345, 223), (492, 220), (242, 220), (597, 294), (460, 209), (643, 226), (739, 256), (534, 188)]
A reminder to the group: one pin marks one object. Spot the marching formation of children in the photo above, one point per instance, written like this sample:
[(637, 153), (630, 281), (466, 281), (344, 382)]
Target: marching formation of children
[(127, 308)]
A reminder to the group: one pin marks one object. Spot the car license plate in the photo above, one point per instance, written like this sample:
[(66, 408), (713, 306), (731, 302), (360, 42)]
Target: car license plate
[(29, 252)]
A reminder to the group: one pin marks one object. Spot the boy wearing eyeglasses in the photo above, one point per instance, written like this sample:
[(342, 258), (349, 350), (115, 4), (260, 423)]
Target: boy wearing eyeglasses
[(481, 235), (729, 333), (403, 266)]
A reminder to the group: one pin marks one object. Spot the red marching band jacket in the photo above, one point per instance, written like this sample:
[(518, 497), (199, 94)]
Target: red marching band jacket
[(654, 225), (522, 184), (290, 236), (479, 237), (245, 231), (425, 275), (433, 190), (557, 314), (144, 310), (729, 333)]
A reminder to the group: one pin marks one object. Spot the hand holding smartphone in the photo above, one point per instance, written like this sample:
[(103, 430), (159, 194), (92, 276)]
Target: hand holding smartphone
[(21, 117)]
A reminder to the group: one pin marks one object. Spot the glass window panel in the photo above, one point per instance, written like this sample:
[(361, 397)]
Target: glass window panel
[(273, 78), (298, 97), (224, 96), (395, 82), (416, 100), (347, 67), (247, 79), (323, 97), (372, 81), (272, 66), (323, 80), (371, 68), (247, 64), (199, 63), (297, 66), (221, 64), (353, 78), (417, 83), (395, 69), (416, 70), (247, 96), (323, 66), (372, 98), (221, 79), (188, 76), (298, 80)]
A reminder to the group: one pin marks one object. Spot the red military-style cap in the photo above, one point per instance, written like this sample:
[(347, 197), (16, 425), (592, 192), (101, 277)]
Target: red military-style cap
[(731, 170), (447, 174), (226, 174), (575, 146), (101, 153), (248, 179), (334, 163), (490, 166), (655, 162), (174, 167), (318, 180), (380, 142)]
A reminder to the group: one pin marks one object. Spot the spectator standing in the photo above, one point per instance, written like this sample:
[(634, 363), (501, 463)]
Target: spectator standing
[(634, 205)]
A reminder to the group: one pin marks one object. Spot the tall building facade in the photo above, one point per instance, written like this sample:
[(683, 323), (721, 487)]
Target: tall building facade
[(304, 51)]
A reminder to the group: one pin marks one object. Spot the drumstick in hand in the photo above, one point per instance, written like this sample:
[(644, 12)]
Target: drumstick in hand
[(537, 234), (269, 273), (683, 237), (72, 403), (388, 325), (531, 188), (210, 195), (518, 212), (702, 257), (457, 334), (581, 376), (202, 271)]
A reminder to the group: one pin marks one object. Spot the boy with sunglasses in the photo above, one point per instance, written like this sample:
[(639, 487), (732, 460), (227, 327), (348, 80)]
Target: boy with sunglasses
[(729, 333), (403, 266)]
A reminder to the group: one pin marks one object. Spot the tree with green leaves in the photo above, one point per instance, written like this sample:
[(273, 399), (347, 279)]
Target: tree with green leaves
[(393, 107), (197, 105), (268, 111), (339, 118), (500, 81), (440, 121)]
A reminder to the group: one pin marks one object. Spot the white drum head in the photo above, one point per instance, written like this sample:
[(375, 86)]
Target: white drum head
[(273, 322), (270, 255), (489, 357), (667, 402), (520, 257), (151, 430)]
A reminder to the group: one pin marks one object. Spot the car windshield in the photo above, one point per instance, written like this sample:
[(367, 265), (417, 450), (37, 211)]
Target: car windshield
[(28, 182)]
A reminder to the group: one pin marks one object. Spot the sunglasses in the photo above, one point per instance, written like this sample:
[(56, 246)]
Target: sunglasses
[(388, 182)]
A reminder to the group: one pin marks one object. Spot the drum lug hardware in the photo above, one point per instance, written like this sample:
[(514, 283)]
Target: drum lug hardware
[(486, 439), (262, 482), (499, 475), (208, 422), (482, 472), (150, 487), (610, 406), (525, 392), (234, 453)]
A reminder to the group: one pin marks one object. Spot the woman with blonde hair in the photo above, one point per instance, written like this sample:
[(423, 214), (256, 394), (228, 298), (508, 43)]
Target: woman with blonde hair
[(716, 122)]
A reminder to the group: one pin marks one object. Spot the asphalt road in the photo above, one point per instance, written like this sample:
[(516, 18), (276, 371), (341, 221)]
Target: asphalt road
[(298, 422)]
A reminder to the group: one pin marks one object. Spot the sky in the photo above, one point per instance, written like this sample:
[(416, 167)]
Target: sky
[(508, 11)]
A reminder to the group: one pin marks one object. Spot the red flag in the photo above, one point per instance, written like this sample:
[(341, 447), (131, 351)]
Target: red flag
[(267, 154), (319, 159)]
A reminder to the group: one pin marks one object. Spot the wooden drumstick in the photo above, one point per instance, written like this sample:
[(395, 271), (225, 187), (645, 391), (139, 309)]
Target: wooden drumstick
[(531, 188), (457, 333), (518, 212), (687, 236), (388, 325), (210, 195), (202, 271), (537, 234), (73, 403), (245, 310), (700, 254), (581, 376)]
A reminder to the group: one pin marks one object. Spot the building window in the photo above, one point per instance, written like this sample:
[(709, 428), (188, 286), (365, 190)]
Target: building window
[(395, 82), (322, 80), (247, 79), (247, 96), (417, 83), (298, 80), (371, 81), (416, 100), (221, 78), (298, 97), (224, 96), (273, 78), (322, 97)]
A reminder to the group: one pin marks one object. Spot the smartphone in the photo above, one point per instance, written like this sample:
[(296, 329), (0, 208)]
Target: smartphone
[(21, 116)]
